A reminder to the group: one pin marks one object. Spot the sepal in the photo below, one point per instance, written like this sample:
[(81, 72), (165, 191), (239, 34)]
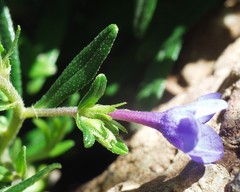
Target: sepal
[(105, 132), (95, 92)]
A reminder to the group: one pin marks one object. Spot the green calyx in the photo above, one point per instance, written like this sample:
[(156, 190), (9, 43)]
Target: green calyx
[(96, 123), (96, 129)]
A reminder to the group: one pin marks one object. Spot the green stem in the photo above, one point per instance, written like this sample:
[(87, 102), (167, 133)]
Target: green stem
[(16, 121), (20, 113), (12, 131), (32, 112)]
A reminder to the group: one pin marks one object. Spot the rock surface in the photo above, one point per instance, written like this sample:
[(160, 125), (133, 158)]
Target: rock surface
[(155, 165)]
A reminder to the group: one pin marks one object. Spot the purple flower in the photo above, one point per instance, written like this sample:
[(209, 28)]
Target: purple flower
[(184, 126)]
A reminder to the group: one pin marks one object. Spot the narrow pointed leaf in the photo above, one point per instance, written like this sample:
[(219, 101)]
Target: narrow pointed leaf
[(81, 70), (119, 147), (30, 181), (119, 126), (61, 148), (95, 92), (15, 149), (153, 87), (144, 11), (21, 163), (44, 127), (7, 36)]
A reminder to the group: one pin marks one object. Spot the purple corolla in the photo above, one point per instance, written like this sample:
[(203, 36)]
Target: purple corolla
[(184, 126)]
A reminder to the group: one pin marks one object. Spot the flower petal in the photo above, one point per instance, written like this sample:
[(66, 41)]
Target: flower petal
[(180, 128), (210, 96), (209, 147), (205, 109)]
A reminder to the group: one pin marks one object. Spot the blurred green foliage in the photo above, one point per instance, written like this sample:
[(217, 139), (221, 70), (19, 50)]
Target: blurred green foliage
[(148, 29)]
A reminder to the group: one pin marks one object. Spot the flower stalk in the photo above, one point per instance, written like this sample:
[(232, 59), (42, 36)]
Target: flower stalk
[(31, 112)]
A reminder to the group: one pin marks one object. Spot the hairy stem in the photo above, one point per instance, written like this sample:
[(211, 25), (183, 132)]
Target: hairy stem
[(16, 121), (31, 112), (20, 113)]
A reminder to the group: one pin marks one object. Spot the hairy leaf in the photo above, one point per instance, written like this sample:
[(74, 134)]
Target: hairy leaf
[(81, 70), (7, 36), (95, 92)]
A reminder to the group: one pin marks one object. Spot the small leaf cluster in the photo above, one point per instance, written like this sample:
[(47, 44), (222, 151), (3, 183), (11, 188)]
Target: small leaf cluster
[(95, 123)]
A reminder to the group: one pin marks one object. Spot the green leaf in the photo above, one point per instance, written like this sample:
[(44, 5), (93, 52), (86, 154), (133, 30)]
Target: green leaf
[(30, 181), (100, 111), (111, 127), (113, 144), (95, 92), (43, 67), (15, 149), (36, 143), (21, 164), (114, 127), (91, 128), (81, 70), (7, 36), (119, 147), (153, 86), (144, 11), (5, 175), (61, 148), (88, 137), (1, 48), (44, 127), (44, 64), (35, 85)]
